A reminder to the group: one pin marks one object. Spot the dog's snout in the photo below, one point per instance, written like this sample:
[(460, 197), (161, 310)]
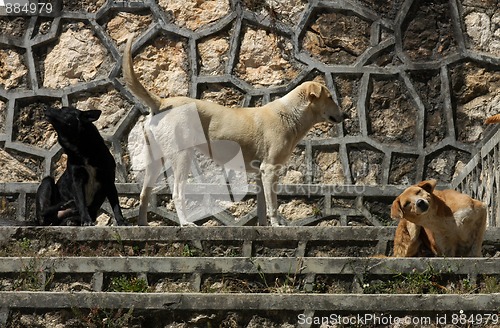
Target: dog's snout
[(338, 118), (422, 205)]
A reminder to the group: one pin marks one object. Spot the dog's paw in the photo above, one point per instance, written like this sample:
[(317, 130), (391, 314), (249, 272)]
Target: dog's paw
[(120, 221), (87, 222), (143, 222), (275, 222), (188, 224)]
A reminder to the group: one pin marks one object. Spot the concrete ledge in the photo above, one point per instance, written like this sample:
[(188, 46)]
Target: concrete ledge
[(136, 233), (289, 302), (245, 265), (169, 233), (97, 270)]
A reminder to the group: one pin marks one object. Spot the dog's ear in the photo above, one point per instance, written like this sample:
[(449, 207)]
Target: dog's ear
[(91, 115), (428, 185), (396, 210), (314, 90)]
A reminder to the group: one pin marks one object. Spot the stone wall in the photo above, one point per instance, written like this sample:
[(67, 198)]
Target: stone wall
[(416, 78)]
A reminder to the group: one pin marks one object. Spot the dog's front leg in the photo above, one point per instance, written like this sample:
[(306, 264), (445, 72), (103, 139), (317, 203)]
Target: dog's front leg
[(261, 202), (269, 173), (143, 206), (112, 195)]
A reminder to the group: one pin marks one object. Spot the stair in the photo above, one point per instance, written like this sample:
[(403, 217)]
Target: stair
[(239, 276)]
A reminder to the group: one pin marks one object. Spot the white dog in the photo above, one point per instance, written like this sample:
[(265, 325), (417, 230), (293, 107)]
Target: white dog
[(266, 135)]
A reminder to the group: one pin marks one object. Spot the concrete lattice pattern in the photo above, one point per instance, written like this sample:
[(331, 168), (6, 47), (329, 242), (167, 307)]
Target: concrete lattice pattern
[(416, 78)]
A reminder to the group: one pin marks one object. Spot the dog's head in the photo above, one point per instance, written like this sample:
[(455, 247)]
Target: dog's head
[(321, 102), (72, 124), (414, 202)]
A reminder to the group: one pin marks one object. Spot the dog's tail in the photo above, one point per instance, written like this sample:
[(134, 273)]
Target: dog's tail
[(493, 119), (133, 83)]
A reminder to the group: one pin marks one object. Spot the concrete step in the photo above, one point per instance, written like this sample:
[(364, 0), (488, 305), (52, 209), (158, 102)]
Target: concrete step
[(288, 271)]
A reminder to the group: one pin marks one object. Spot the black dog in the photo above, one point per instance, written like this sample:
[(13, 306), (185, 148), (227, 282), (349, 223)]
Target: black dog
[(89, 176)]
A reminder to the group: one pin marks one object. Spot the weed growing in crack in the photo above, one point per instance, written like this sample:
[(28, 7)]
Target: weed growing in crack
[(25, 244), (128, 285), (428, 281), (187, 251), (490, 285), (106, 318), (33, 277), (290, 283)]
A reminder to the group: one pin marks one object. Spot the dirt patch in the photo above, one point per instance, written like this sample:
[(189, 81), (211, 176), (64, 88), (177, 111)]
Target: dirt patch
[(328, 168), (429, 31), (402, 170), (32, 128), (347, 87), (130, 318), (475, 96), (341, 249), (43, 246), (386, 124), (275, 248), (336, 38), (8, 207), (214, 54), (14, 26), (445, 164), (287, 12), (86, 5), (43, 26), (265, 59), (221, 94), (386, 8), (428, 87), (366, 165), (13, 69)]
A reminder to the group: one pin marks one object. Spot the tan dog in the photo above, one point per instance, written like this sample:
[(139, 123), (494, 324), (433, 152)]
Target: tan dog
[(411, 240), (493, 119), (444, 222), (266, 135)]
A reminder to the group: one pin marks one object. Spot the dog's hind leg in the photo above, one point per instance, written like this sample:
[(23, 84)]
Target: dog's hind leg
[(50, 208), (181, 165), (477, 246), (143, 206), (153, 170), (180, 203), (47, 200)]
